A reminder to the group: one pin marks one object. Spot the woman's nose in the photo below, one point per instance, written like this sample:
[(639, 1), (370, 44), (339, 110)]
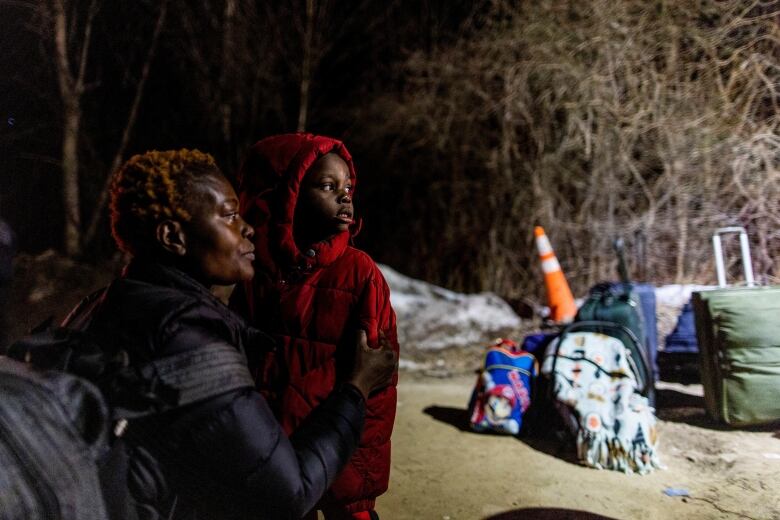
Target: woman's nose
[(345, 196), (247, 231)]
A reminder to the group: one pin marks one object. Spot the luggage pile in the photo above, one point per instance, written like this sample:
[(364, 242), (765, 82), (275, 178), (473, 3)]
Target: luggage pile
[(598, 374)]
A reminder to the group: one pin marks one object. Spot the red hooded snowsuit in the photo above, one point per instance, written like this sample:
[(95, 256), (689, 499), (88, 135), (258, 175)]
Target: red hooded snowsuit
[(313, 302)]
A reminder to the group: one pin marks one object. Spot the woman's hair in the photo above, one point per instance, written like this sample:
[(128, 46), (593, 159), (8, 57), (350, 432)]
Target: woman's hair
[(152, 187)]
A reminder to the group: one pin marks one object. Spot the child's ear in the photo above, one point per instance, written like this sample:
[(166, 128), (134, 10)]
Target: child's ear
[(171, 237)]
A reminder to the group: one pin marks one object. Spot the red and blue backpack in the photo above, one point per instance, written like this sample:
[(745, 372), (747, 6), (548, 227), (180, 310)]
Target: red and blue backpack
[(502, 393)]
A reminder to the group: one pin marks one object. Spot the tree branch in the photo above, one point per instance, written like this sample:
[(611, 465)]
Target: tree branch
[(93, 9), (131, 118)]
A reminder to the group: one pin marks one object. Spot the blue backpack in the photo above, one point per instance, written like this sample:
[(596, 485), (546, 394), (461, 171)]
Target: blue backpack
[(502, 393)]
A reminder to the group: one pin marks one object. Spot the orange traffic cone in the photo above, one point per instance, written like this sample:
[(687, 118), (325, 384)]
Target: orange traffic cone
[(562, 306)]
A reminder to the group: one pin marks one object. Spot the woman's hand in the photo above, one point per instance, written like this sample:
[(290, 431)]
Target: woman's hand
[(374, 367)]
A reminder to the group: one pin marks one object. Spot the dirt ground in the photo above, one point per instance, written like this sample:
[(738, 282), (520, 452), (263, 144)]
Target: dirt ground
[(443, 471)]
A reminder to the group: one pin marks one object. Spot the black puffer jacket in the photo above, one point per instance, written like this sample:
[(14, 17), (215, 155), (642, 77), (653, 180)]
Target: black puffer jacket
[(224, 455)]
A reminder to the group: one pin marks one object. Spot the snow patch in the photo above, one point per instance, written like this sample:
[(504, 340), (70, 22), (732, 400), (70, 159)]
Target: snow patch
[(678, 295), (408, 364), (432, 318)]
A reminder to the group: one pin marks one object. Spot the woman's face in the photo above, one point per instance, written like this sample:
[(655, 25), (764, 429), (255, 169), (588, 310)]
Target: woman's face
[(218, 243)]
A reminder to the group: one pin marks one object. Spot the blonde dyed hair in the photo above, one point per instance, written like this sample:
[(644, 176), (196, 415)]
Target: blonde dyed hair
[(152, 187)]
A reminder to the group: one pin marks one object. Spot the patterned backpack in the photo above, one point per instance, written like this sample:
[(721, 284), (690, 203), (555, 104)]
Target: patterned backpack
[(595, 385), (503, 390)]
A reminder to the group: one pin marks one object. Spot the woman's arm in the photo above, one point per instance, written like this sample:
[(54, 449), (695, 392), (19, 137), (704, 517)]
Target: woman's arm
[(240, 447), (230, 452)]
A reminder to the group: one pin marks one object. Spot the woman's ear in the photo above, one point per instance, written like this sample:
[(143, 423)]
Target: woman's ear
[(171, 237)]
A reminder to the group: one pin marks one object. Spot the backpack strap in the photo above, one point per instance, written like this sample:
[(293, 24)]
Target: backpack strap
[(142, 389), (80, 317), (213, 369)]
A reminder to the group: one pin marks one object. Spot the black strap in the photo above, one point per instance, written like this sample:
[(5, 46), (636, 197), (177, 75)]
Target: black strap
[(212, 369), (80, 317)]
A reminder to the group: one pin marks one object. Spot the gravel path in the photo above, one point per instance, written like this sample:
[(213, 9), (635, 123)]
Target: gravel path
[(442, 471)]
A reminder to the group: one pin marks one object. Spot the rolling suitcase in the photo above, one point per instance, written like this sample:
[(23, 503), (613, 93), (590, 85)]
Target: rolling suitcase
[(738, 333)]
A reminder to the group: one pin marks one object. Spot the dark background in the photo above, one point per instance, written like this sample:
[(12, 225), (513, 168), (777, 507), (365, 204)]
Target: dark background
[(469, 122)]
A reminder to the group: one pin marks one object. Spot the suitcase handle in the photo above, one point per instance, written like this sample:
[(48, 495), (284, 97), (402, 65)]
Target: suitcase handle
[(744, 247), (620, 251)]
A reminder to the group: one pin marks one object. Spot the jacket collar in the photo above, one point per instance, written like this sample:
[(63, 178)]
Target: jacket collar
[(324, 253), (164, 275)]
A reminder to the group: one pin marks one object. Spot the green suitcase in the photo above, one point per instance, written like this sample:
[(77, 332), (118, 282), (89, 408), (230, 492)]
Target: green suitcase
[(738, 331)]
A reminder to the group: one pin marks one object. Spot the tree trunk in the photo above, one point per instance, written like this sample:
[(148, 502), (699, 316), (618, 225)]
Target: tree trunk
[(306, 66), (70, 176), (70, 135), (682, 237), (71, 89), (225, 107)]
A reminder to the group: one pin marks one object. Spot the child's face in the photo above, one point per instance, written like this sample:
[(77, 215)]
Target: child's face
[(218, 246), (325, 201)]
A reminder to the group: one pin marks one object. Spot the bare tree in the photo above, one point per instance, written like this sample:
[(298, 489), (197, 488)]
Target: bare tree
[(235, 82), (100, 204), (66, 28), (306, 34), (71, 79), (306, 66), (594, 119)]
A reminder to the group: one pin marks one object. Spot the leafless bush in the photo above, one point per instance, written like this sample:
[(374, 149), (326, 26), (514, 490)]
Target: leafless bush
[(651, 120)]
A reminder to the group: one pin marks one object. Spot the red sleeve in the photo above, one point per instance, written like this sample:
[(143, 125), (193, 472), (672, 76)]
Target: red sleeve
[(368, 472)]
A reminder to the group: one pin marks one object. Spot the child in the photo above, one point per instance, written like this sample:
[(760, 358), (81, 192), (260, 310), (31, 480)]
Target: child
[(310, 290), (201, 455)]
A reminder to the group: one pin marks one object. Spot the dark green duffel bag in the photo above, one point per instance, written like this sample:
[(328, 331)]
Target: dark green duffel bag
[(738, 332), (613, 302)]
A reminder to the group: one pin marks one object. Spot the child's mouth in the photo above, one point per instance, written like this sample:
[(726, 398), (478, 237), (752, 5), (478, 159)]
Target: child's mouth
[(344, 217)]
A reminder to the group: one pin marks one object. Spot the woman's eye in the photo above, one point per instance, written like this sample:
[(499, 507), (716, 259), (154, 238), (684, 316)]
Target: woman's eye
[(327, 187), (348, 189)]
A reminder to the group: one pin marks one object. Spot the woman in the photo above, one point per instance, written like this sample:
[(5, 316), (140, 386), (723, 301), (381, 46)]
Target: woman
[(199, 455)]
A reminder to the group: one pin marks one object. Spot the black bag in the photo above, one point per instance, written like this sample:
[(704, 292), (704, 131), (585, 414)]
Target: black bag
[(53, 433), (55, 417), (77, 399)]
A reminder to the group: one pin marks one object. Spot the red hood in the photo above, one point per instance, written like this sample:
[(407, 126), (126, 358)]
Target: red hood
[(269, 182)]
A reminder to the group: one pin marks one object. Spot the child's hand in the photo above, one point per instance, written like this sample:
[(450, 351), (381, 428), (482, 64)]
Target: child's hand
[(374, 367)]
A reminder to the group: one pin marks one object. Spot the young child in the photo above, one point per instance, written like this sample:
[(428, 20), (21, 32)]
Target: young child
[(216, 451), (311, 290)]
